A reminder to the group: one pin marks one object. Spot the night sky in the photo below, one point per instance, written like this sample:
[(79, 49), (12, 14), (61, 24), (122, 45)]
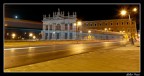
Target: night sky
[(85, 12)]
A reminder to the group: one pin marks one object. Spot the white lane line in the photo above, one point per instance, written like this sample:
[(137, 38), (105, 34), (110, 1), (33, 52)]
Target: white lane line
[(24, 48)]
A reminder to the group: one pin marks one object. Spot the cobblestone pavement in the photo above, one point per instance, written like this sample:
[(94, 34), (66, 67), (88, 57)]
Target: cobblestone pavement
[(123, 59)]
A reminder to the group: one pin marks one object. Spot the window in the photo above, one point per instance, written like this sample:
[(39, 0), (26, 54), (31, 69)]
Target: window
[(57, 35), (66, 27), (65, 35), (50, 37), (70, 35), (111, 23), (50, 27), (86, 24), (71, 26), (122, 23), (91, 24)]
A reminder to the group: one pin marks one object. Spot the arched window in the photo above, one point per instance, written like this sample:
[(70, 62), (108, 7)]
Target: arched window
[(117, 23), (95, 24), (122, 23), (111, 23)]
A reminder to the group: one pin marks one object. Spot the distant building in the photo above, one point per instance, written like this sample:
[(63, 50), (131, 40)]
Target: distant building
[(21, 28), (114, 25)]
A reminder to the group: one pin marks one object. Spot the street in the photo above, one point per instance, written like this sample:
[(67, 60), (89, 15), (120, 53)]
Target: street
[(14, 57)]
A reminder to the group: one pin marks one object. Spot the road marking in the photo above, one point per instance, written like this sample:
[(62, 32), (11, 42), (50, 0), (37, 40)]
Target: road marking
[(24, 48)]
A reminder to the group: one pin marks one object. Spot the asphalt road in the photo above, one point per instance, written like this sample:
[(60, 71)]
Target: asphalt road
[(14, 57)]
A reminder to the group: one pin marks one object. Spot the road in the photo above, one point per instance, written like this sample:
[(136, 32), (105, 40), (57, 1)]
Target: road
[(14, 57)]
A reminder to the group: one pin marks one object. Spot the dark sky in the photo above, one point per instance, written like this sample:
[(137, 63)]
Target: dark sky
[(84, 12)]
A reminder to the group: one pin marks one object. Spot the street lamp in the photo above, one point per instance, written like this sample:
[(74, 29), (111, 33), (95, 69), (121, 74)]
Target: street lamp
[(135, 9), (124, 12), (105, 29), (13, 35), (109, 29), (78, 23), (34, 37)]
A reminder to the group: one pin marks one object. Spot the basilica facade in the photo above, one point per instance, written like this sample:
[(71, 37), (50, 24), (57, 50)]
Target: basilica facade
[(59, 26)]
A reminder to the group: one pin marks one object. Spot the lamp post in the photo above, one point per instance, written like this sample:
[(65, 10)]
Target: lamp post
[(30, 35), (34, 37), (89, 36), (123, 13), (78, 23)]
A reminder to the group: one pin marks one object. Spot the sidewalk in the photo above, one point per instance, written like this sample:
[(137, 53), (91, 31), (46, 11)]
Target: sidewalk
[(122, 59)]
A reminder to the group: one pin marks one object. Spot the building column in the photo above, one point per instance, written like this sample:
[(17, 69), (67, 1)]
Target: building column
[(43, 35), (61, 37), (68, 31), (48, 32), (43, 32)]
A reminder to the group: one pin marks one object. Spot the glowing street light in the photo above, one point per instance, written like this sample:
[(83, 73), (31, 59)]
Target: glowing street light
[(105, 29), (6, 24), (109, 28), (89, 31), (13, 35), (30, 34), (89, 36), (34, 37), (79, 23), (135, 9), (123, 12)]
